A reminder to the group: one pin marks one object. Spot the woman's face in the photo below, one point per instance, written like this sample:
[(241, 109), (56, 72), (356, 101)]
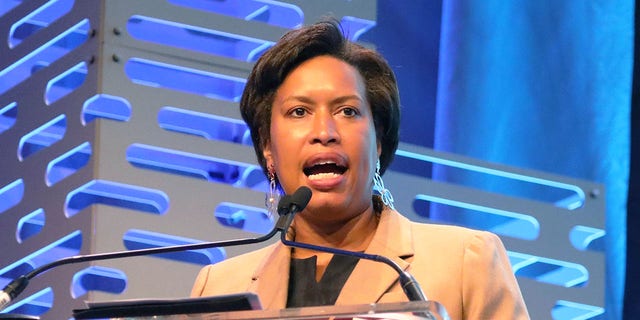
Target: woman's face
[(323, 137)]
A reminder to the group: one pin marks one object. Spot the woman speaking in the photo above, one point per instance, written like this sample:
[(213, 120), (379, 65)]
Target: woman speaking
[(324, 113)]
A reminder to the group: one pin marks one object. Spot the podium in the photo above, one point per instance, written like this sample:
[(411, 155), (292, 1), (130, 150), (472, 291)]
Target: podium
[(412, 310), (243, 307)]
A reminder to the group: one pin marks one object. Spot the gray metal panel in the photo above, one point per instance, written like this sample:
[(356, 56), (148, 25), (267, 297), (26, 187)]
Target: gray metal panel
[(33, 112), (193, 201), (555, 224)]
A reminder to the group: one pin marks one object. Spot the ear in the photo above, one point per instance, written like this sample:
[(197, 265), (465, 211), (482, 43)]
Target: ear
[(268, 156)]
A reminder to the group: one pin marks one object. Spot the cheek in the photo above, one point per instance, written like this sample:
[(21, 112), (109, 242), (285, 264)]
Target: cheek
[(374, 145), (284, 148), (368, 152)]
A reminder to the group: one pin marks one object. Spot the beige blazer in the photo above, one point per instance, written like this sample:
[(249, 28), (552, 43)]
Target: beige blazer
[(466, 270)]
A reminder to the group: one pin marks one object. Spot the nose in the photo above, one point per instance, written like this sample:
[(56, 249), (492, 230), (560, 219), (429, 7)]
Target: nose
[(325, 129)]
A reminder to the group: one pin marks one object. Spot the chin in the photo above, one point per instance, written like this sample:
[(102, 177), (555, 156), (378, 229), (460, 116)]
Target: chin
[(326, 202)]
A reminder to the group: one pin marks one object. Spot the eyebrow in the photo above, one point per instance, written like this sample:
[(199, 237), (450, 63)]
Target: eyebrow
[(340, 99)]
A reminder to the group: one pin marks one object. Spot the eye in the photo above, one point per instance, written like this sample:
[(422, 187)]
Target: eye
[(349, 112), (298, 112)]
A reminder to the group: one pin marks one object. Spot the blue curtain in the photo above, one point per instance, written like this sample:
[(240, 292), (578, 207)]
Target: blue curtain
[(544, 85)]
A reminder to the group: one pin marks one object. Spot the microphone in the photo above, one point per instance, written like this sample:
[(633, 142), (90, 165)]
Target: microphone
[(408, 283), (290, 205), (293, 203)]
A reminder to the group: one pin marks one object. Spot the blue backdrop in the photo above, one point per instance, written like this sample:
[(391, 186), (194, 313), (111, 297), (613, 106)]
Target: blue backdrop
[(544, 85)]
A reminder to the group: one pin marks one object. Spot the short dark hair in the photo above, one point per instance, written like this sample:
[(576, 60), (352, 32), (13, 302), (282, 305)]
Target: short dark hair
[(298, 46)]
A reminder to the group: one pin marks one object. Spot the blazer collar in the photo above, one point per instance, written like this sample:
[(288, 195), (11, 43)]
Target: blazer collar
[(271, 279), (392, 240)]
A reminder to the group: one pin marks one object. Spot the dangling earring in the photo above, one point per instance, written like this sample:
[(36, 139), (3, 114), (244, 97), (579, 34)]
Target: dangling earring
[(378, 184), (272, 198)]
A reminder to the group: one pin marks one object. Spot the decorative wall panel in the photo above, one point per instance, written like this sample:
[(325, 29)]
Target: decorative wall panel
[(120, 130)]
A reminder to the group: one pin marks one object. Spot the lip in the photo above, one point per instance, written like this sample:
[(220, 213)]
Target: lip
[(329, 182), (327, 157), (326, 184)]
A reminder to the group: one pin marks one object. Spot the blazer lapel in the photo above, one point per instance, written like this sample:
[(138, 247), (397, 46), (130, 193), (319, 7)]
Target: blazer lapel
[(370, 279), (271, 279)]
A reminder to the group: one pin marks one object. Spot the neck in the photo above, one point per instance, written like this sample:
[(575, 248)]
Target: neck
[(353, 234)]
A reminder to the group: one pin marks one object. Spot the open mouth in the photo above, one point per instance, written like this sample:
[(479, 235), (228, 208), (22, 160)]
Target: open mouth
[(324, 170)]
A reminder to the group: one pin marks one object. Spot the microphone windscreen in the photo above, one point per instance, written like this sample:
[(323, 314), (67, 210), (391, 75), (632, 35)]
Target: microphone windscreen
[(284, 204), (301, 197)]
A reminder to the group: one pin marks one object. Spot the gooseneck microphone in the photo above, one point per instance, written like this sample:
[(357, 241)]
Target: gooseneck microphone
[(293, 203), (290, 205), (408, 283)]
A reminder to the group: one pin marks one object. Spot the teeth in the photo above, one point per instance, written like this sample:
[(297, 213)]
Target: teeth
[(324, 162), (319, 176)]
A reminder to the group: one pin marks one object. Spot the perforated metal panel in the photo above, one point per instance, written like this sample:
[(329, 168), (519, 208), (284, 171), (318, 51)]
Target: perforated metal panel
[(552, 226), (119, 129)]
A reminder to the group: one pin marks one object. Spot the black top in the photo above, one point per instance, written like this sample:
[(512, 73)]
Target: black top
[(304, 291)]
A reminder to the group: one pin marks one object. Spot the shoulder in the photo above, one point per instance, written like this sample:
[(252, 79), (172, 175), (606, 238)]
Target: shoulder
[(467, 270), (242, 267), (454, 233), (245, 259), (452, 242), (442, 234), (465, 247), (244, 263)]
